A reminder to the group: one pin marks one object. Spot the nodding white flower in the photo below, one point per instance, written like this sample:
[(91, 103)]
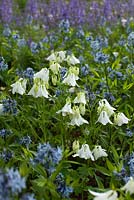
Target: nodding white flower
[(71, 76), (109, 195), (57, 56), (43, 74), (76, 118), (19, 86), (75, 145), (99, 152), (104, 118), (129, 186), (81, 98), (72, 60), (1, 108), (120, 119), (105, 106), (52, 57), (55, 67), (61, 55), (84, 152), (39, 90), (66, 108)]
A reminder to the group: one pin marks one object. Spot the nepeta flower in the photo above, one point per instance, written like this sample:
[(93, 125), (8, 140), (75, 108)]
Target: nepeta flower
[(19, 86), (84, 152), (15, 182), (61, 186), (104, 118), (9, 106), (109, 195), (99, 152), (129, 186), (48, 156), (26, 140), (3, 65), (28, 196), (120, 119), (4, 133), (76, 118)]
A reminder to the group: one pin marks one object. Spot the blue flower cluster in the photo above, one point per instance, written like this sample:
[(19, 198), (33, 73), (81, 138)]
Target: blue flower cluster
[(26, 141), (101, 58), (4, 133), (131, 39), (48, 156), (64, 25), (28, 197), (9, 106), (6, 155), (3, 65), (28, 73), (11, 184), (98, 43), (61, 186)]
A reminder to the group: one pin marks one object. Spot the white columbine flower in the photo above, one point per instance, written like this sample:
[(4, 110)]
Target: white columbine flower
[(84, 152), (76, 118), (129, 186), (99, 152), (80, 98), (71, 76), (66, 108), (61, 55), (39, 89), (105, 106), (55, 67), (19, 86), (52, 57), (109, 195), (1, 108), (120, 119), (43, 74), (104, 118), (72, 60)]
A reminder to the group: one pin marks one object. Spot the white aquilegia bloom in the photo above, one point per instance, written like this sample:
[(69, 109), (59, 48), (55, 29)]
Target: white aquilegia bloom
[(99, 152), (105, 106), (1, 108), (76, 118), (39, 89), (120, 119), (84, 152), (43, 74), (104, 118), (81, 98), (61, 55), (54, 67), (52, 57), (72, 60), (129, 186), (58, 57), (109, 195), (66, 110), (19, 86), (71, 76)]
